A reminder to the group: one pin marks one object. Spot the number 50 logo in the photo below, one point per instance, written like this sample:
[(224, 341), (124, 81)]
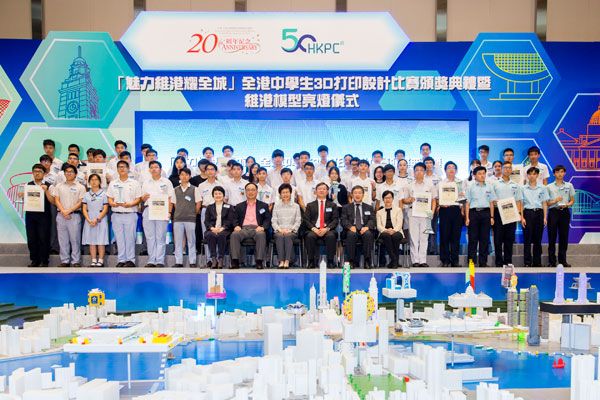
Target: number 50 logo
[(295, 42), (204, 44)]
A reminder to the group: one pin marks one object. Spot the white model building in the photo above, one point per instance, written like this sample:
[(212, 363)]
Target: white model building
[(323, 302), (469, 299)]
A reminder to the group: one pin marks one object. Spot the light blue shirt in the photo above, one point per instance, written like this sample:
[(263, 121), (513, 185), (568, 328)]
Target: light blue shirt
[(566, 191), (533, 197), (506, 189), (479, 195)]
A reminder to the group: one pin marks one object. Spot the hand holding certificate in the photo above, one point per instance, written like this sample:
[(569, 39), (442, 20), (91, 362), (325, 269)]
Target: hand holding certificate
[(448, 194), (508, 210), (158, 207), (33, 199), (422, 205)]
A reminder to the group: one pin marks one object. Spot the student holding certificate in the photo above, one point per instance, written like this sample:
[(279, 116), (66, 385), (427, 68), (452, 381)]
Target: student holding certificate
[(478, 217), (157, 195), (422, 197), (451, 216), (36, 205), (504, 233)]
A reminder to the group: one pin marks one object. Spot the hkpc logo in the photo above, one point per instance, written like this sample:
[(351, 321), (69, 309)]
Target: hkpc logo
[(307, 43)]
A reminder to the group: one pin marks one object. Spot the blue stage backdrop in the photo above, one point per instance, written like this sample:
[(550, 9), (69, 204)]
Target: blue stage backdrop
[(81, 87)]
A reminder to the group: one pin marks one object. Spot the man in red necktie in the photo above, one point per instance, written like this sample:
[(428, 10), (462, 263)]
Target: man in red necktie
[(320, 220)]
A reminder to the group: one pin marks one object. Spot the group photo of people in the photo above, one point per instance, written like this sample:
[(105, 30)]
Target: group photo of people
[(298, 211)]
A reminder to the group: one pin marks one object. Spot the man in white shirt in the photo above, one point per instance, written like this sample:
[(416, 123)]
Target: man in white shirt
[(209, 154), (508, 155), (346, 172), (347, 178), (49, 149), (143, 169), (377, 157), (399, 155), (235, 188), (142, 164), (306, 187), (120, 146), (156, 231), (403, 181), (363, 180), (265, 192), (299, 175), (534, 156), (73, 160), (124, 195), (274, 175), (286, 177), (321, 167), (484, 152)]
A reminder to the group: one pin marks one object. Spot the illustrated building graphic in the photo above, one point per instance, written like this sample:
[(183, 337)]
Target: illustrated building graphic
[(584, 148), (3, 106), (78, 96), (525, 74)]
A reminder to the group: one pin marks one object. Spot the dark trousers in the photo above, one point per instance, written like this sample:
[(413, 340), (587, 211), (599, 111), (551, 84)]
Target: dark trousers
[(392, 245), (38, 229), (432, 239), (313, 242), (504, 239), (216, 241), (558, 225), (53, 231), (479, 234), (532, 235), (352, 239), (198, 232), (451, 222)]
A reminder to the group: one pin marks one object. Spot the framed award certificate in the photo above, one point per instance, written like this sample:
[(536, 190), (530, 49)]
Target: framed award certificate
[(33, 198), (448, 193), (515, 175), (508, 210), (158, 207), (421, 207)]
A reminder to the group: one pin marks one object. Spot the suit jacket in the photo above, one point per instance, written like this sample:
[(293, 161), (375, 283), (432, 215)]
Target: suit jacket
[(228, 216), (311, 214), (396, 219), (263, 215), (368, 216)]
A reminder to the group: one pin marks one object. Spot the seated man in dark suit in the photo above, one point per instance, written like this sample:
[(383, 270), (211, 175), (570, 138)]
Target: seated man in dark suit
[(320, 220), (358, 221), (253, 220)]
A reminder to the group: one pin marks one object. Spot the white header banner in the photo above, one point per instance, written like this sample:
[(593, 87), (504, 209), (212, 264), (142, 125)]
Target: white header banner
[(189, 41)]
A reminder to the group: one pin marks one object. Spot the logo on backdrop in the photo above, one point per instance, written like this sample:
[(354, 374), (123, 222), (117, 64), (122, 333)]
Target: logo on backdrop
[(307, 43), (521, 71), (166, 41)]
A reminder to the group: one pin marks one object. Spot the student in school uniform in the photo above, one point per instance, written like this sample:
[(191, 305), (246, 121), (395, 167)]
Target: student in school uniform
[(376, 161), (95, 227), (120, 146), (403, 181), (484, 152), (307, 186), (451, 220), (561, 198), (50, 151), (265, 192), (219, 222), (184, 218), (321, 167), (534, 161), (504, 234), (417, 224), (142, 165), (433, 177), (235, 188), (124, 195), (72, 159), (389, 184), (274, 175), (535, 214), (156, 231), (478, 216), (287, 177), (37, 224), (365, 181), (68, 197)]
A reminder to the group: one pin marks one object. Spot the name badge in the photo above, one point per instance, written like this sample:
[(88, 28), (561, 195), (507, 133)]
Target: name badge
[(226, 205), (261, 211), (73, 190), (367, 212), (328, 209), (188, 198)]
